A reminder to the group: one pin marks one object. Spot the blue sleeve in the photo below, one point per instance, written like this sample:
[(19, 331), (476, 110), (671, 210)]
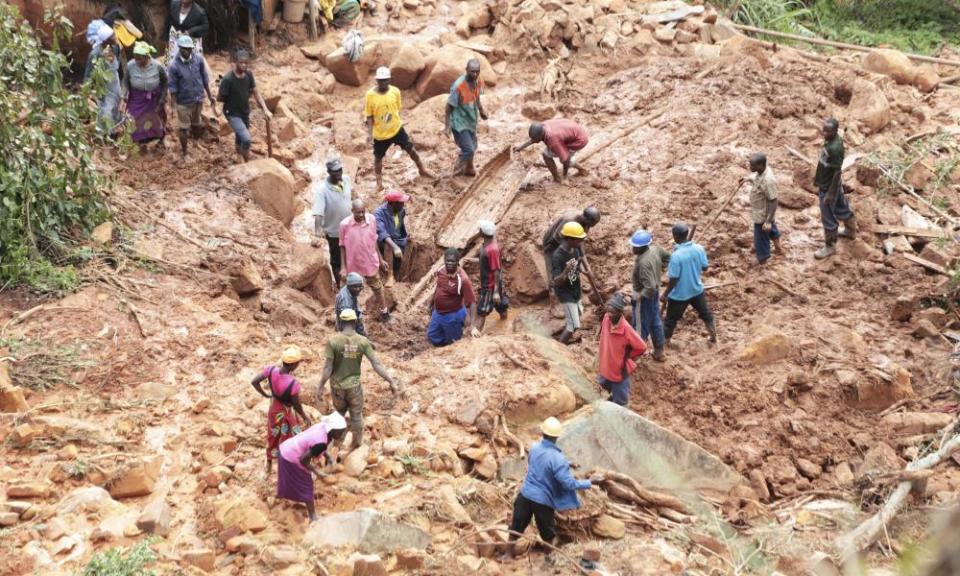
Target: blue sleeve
[(383, 228), (703, 258), (561, 471), (673, 268)]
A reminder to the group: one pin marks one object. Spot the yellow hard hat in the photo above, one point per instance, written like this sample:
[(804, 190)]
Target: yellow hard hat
[(292, 355), (573, 230), (551, 426), (348, 314)]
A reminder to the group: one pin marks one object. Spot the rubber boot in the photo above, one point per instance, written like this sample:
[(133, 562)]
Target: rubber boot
[(849, 228), (460, 167), (829, 247), (470, 170), (658, 353), (712, 330)]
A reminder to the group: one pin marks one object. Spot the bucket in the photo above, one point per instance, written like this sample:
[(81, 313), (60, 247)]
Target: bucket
[(293, 10)]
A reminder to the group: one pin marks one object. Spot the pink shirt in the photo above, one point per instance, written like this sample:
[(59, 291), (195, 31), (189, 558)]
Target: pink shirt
[(279, 381), (359, 241), (564, 136), (294, 448), (619, 345)]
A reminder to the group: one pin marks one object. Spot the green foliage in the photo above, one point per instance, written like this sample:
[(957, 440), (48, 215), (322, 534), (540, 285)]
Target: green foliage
[(39, 366), (122, 561), (790, 16), (50, 190)]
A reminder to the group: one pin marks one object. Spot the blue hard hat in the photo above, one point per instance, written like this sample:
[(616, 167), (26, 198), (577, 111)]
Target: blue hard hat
[(185, 41), (640, 239)]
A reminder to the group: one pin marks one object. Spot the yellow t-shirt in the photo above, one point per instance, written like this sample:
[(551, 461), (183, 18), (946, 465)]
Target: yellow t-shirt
[(385, 110)]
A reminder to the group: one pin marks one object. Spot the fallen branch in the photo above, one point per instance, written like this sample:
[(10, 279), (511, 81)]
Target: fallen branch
[(780, 285), (864, 535), (909, 190), (510, 436), (649, 497)]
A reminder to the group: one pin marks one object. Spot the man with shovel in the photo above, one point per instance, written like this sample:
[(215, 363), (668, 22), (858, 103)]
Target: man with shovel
[(833, 203)]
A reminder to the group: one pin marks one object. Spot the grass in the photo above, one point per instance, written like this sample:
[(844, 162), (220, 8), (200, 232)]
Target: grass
[(40, 367), (122, 561)]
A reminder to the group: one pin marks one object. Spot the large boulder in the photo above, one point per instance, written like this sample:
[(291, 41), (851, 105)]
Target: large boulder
[(767, 349), (406, 65), (353, 73), (445, 65), (366, 530), (869, 107), (271, 185), (240, 511), (890, 63)]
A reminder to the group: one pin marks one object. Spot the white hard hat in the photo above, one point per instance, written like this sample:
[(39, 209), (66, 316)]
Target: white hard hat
[(487, 228), (383, 73)]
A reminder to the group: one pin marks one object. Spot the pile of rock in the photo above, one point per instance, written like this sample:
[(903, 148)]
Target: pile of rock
[(896, 65)]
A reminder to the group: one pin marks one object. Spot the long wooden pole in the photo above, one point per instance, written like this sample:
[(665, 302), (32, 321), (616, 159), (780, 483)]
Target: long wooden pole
[(843, 45)]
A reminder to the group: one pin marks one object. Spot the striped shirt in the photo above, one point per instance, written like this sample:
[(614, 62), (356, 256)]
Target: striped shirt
[(763, 191)]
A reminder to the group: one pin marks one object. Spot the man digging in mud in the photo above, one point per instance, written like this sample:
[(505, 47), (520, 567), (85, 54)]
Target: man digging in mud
[(619, 345), (563, 139), (685, 288), (565, 267), (382, 110), (463, 107), (453, 306), (548, 487), (833, 203), (235, 91), (344, 353), (588, 218), (763, 208)]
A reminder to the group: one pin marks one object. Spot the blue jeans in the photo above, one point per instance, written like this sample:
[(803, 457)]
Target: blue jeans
[(646, 319), (446, 328), (619, 391), (761, 240), (831, 216), (467, 142), (241, 134)]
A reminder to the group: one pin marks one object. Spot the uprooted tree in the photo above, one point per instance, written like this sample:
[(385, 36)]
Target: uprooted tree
[(50, 190)]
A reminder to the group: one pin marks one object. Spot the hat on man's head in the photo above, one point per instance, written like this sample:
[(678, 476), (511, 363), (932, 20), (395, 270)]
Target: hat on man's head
[(383, 73), (487, 227), (348, 314), (396, 196), (185, 41), (334, 164), (354, 279)]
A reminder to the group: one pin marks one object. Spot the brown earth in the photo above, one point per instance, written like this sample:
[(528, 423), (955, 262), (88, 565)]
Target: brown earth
[(162, 347)]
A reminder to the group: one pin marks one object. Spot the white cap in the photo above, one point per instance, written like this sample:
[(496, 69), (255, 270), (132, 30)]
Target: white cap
[(383, 73), (487, 228), (334, 421)]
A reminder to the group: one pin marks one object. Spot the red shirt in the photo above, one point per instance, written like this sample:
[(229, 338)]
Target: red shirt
[(564, 136), (614, 341), (489, 264), (453, 292)]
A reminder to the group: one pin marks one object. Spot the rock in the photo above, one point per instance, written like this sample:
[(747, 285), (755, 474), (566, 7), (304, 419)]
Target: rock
[(103, 233), (411, 559), (288, 130), (306, 263), (685, 37), (452, 507), (245, 279), (367, 530), (938, 255), (237, 512), (202, 558), (896, 244), (890, 63), (18, 506), (790, 197), (345, 71), (808, 469), (924, 328), (317, 50), (877, 394), (244, 544), (406, 65), (912, 219), (767, 349), (155, 518), (445, 65), (279, 557), (926, 79), (28, 490), (607, 526), (24, 434), (467, 563), (868, 174), (863, 252), (217, 475), (11, 397), (356, 462), (710, 16), (665, 35), (759, 483), (538, 111), (8, 519), (912, 423), (869, 107), (475, 453), (936, 315), (479, 17), (842, 474), (367, 565), (486, 468), (903, 308), (720, 31), (136, 478), (86, 499), (591, 553), (919, 175), (879, 459), (271, 186)]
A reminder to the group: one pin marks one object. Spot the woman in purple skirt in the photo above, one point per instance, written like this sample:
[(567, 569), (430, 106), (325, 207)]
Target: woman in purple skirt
[(144, 94), (295, 470)]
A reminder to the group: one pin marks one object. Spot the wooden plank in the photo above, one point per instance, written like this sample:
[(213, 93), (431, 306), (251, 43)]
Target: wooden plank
[(926, 264), (905, 231)]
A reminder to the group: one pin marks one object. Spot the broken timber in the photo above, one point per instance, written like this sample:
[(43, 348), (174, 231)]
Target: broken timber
[(926, 264), (906, 231)]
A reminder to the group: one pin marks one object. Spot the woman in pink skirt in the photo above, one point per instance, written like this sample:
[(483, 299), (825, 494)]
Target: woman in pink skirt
[(295, 471)]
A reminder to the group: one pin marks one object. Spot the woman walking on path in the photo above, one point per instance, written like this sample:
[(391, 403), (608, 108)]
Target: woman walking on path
[(282, 422), (295, 471), (144, 95)]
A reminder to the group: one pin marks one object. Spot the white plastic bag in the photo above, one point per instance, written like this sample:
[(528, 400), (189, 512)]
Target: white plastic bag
[(353, 45)]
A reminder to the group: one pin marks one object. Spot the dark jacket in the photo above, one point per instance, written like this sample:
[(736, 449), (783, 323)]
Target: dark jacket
[(195, 24)]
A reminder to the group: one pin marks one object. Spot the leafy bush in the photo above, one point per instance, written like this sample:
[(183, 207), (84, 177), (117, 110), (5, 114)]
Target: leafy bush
[(122, 561), (50, 190)]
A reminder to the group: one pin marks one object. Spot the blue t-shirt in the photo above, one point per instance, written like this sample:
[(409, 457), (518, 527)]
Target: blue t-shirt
[(686, 265)]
